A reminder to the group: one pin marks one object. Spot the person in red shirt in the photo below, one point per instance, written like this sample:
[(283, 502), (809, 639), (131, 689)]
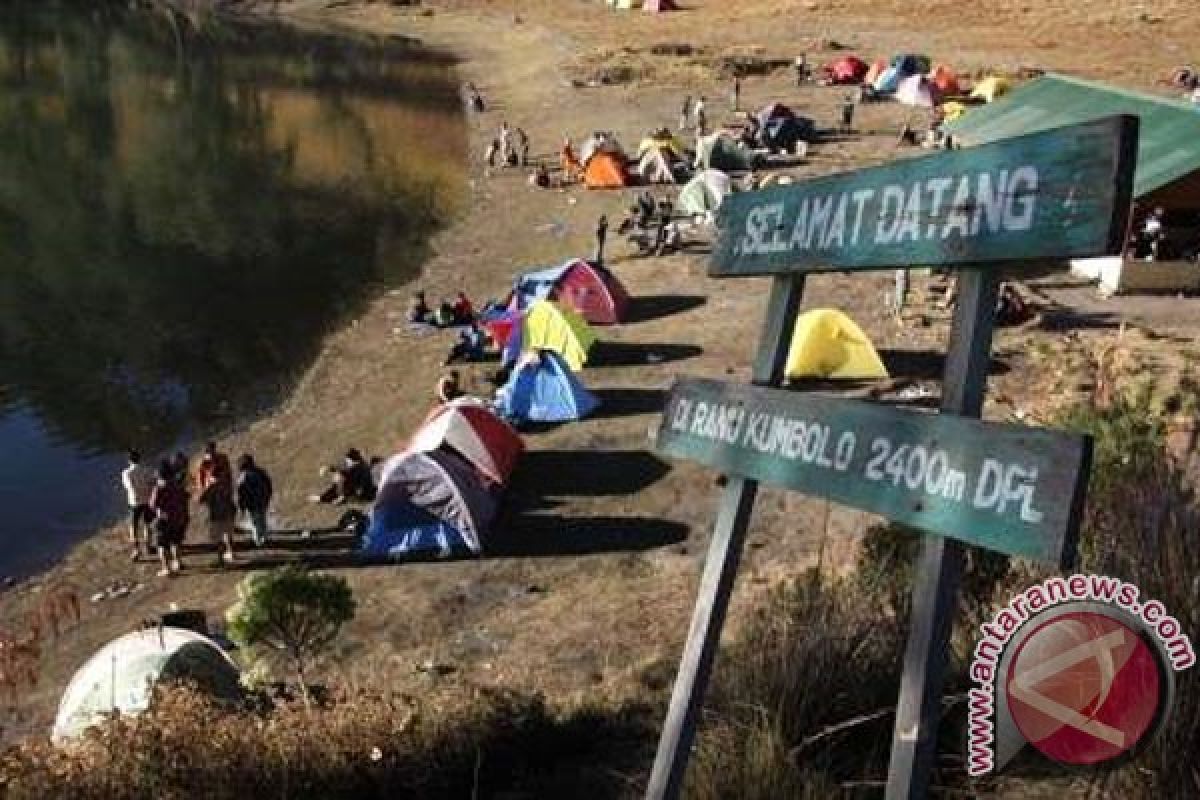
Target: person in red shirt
[(464, 313), (169, 502), (214, 480)]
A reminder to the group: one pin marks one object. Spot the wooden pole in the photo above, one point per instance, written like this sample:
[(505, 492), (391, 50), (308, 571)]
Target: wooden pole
[(720, 566), (939, 572)]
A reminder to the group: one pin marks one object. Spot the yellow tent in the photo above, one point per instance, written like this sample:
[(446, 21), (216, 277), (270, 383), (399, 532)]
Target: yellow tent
[(549, 326), (828, 344), (669, 142), (953, 110), (990, 88)]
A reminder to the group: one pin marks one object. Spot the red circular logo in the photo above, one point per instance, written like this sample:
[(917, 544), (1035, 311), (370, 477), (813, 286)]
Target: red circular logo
[(1084, 688)]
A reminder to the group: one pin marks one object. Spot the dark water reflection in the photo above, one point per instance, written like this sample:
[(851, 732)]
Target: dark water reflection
[(184, 211)]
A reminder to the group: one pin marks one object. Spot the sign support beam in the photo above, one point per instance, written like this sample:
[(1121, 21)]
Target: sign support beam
[(935, 592), (721, 564)]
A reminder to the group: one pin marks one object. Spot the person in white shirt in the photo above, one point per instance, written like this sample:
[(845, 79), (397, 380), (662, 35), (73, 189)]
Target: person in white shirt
[(138, 480)]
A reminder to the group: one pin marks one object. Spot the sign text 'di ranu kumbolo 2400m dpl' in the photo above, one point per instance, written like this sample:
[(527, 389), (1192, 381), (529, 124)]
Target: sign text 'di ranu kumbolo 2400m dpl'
[(1006, 488), (1050, 195)]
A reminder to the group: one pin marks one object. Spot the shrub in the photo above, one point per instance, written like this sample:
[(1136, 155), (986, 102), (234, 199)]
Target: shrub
[(293, 612)]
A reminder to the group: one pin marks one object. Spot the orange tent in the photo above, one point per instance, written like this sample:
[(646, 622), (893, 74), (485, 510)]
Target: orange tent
[(945, 80), (604, 171)]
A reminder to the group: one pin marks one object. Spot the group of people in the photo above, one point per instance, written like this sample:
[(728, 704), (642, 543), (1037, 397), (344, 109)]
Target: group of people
[(510, 145), (649, 225), (160, 504), (449, 313)]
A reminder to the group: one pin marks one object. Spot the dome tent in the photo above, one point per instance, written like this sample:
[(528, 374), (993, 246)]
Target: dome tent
[(122, 675), (705, 192), (542, 388), (428, 504), (552, 326), (828, 344), (470, 428), (590, 289)]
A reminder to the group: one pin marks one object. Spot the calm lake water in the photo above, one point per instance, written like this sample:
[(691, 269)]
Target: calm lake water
[(185, 209)]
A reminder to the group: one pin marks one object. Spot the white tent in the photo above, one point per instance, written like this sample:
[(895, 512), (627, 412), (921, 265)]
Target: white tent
[(704, 192), (122, 675), (916, 90)]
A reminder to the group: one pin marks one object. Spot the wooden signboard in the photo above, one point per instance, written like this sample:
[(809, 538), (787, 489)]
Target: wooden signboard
[(1046, 195), (1007, 488)]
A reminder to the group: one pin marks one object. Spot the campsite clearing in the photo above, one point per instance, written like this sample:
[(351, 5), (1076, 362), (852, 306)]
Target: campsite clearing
[(607, 530)]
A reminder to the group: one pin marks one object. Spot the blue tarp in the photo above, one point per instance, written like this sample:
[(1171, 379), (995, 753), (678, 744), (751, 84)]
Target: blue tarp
[(545, 390)]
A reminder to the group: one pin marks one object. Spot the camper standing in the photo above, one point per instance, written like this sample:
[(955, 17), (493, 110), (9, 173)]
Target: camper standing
[(523, 146), (169, 500), (138, 481), (735, 99), (506, 145), (685, 114), (254, 492), (700, 117), (601, 234)]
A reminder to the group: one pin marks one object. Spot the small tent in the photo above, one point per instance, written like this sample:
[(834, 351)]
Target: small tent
[(551, 326), (990, 88), (828, 344), (592, 290), (704, 192), (781, 128), (600, 142), (945, 80), (663, 140), (487, 442), (122, 675), (428, 504), (916, 90), (848, 70), (543, 388), (657, 165), (658, 5), (605, 171), (721, 151)]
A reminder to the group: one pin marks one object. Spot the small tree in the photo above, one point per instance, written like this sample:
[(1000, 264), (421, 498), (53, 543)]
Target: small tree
[(292, 611)]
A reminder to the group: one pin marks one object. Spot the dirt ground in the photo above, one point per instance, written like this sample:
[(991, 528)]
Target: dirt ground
[(591, 582)]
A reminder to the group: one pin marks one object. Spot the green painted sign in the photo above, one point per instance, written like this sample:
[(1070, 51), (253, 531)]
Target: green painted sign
[(1058, 194), (1007, 488)]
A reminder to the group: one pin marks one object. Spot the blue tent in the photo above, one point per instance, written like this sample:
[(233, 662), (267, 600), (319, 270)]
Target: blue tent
[(428, 504), (542, 388)]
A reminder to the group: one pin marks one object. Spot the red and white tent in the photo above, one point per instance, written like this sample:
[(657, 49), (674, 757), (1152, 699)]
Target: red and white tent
[(469, 428)]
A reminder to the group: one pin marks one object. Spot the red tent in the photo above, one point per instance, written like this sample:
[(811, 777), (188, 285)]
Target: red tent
[(848, 69), (594, 292), (475, 433)]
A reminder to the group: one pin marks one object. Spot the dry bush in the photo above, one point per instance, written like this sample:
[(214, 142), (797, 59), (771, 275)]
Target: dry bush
[(796, 706), (365, 745)]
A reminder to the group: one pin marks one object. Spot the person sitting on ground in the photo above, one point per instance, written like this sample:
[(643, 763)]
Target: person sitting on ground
[(464, 313), (418, 309), (352, 481), (469, 347), (449, 388), (444, 316), (540, 177), (1011, 309)]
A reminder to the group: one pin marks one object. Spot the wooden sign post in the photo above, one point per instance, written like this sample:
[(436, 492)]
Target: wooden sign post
[(1053, 195)]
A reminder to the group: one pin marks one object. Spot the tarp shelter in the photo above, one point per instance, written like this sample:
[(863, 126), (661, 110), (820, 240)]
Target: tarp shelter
[(721, 151), (916, 90), (1167, 174), (542, 388), (552, 326), (428, 504), (990, 88), (828, 344), (704, 192), (122, 675), (848, 70), (487, 442), (605, 171)]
